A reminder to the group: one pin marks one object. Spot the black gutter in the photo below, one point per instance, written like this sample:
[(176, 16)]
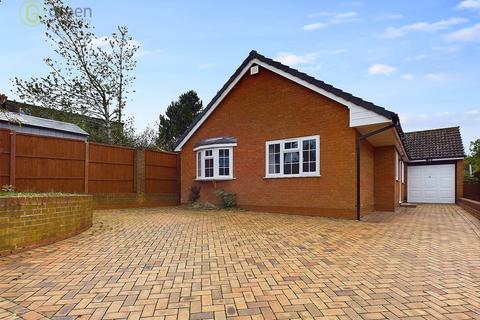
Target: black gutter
[(358, 142)]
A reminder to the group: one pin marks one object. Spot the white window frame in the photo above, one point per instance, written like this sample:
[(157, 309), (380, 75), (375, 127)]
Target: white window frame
[(200, 151), (299, 140)]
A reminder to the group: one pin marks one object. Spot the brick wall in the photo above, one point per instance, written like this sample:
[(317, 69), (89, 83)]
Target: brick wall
[(459, 180), (269, 107), (386, 191), (367, 166), (27, 222), (133, 200)]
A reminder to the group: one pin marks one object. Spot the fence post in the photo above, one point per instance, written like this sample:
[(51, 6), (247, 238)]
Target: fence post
[(13, 143), (87, 155), (139, 171)]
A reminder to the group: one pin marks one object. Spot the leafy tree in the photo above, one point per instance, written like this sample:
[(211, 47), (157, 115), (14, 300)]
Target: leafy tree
[(90, 76), (474, 160), (178, 117)]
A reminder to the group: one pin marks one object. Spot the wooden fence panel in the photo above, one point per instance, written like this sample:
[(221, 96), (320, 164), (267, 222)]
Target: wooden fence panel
[(4, 157), (161, 172), (471, 191), (111, 169), (46, 164)]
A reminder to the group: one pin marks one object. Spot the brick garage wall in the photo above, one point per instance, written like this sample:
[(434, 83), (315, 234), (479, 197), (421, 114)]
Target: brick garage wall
[(133, 200), (367, 166), (385, 185), (27, 222), (459, 179), (269, 107)]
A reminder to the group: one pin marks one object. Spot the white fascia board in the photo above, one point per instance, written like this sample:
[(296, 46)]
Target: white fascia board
[(374, 119), (439, 159)]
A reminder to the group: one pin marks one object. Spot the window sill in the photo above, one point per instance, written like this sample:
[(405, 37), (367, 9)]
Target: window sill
[(215, 179), (292, 176)]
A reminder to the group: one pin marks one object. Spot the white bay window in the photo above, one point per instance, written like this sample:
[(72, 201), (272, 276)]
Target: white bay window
[(296, 157), (214, 162)]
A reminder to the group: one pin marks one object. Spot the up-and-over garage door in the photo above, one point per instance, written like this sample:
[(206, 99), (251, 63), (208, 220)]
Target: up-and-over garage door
[(431, 183)]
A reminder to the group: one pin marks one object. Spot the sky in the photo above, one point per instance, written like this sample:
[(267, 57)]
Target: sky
[(420, 59)]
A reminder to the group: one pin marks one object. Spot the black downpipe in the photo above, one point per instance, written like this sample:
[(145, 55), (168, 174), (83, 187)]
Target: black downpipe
[(357, 147)]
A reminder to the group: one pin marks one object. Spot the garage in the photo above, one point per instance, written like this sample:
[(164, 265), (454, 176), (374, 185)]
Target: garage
[(431, 183)]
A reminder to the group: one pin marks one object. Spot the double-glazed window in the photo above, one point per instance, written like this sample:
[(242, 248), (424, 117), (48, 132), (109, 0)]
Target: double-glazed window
[(215, 163), (296, 157)]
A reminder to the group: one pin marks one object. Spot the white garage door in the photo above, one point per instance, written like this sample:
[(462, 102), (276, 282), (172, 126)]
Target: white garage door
[(431, 184)]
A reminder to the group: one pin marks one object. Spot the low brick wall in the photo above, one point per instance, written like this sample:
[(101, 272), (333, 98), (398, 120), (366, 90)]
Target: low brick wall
[(471, 206), (134, 200), (27, 222)]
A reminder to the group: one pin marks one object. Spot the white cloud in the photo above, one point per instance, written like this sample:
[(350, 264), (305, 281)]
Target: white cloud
[(330, 19), (381, 69), (470, 34), (436, 76), (314, 26), (310, 59), (408, 76), (398, 32), (469, 4), (292, 60)]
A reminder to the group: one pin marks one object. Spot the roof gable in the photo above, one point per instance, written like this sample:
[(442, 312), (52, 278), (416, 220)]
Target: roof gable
[(445, 143), (361, 112)]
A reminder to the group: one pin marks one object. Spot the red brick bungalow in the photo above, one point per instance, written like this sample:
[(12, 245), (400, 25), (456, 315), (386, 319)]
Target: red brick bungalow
[(283, 141)]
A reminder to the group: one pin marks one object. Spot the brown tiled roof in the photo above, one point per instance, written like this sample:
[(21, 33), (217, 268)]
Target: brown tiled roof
[(434, 144)]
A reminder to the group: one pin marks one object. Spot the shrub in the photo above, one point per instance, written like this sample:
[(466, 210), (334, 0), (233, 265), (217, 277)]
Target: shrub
[(229, 200), (194, 194)]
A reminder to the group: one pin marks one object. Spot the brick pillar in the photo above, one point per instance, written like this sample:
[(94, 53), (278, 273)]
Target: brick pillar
[(140, 171)]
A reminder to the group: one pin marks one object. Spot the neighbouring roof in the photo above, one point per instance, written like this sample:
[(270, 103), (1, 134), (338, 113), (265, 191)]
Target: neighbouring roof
[(26, 120), (434, 144), (216, 140), (303, 76)]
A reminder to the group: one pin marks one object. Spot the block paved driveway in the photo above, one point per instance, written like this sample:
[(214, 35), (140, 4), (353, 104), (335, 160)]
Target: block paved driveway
[(173, 263)]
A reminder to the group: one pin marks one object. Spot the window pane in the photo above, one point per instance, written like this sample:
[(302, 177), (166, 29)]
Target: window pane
[(291, 162), (208, 153), (291, 145), (208, 167), (309, 155), (274, 158), (295, 168), (223, 162)]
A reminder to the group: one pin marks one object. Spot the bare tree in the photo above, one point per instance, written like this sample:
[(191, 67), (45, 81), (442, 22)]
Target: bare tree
[(90, 75)]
